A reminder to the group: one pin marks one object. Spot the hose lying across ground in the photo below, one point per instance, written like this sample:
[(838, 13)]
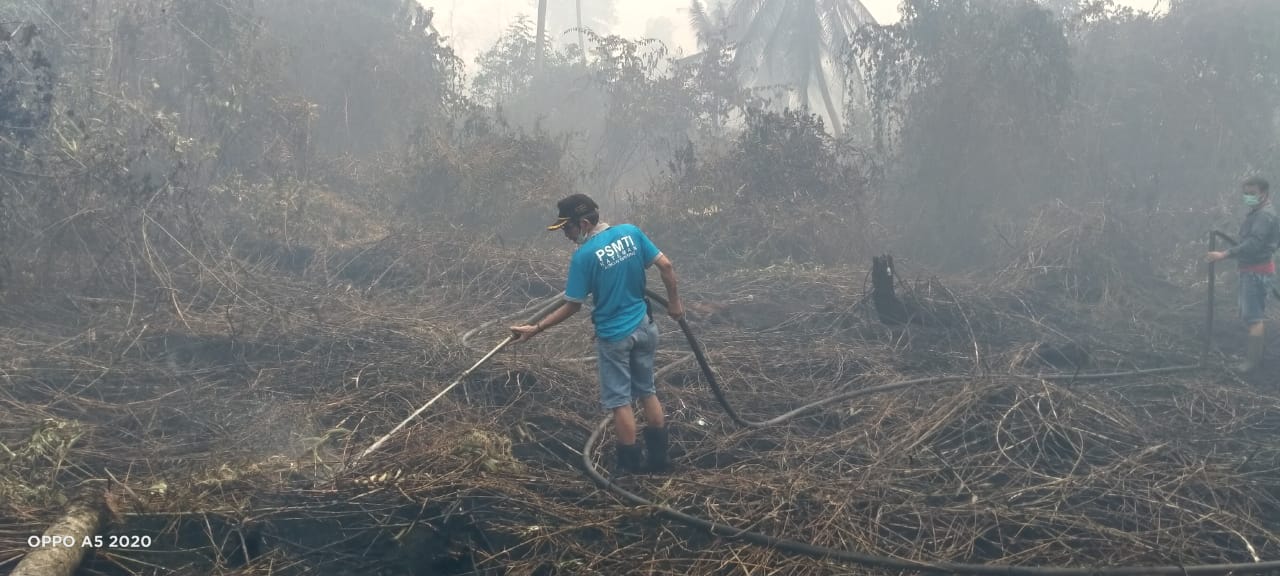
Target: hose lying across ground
[(545, 307)]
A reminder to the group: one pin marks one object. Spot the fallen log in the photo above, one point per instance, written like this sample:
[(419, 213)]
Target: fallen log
[(54, 556)]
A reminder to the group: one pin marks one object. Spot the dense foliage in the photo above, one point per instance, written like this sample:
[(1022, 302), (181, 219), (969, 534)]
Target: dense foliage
[(990, 109), (962, 123)]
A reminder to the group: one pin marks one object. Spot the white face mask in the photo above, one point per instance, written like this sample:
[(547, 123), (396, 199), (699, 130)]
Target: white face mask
[(578, 238), (584, 234)]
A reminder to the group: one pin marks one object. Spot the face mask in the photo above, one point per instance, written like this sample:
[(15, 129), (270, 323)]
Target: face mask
[(583, 234), (1252, 200)]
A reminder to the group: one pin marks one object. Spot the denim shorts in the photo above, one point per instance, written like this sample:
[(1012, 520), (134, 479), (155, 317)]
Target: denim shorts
[(1254, 289), (626, 366)]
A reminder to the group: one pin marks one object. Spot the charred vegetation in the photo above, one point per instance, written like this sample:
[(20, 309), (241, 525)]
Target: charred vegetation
[(232, 256)]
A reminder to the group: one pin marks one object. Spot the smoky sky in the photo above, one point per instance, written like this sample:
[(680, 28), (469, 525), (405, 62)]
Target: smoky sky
[(473, 25)]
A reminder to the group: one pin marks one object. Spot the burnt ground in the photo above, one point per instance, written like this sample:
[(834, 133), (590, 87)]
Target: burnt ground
[(220, 423)]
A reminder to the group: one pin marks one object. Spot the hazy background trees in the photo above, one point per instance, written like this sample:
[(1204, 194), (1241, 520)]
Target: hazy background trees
[(946, 136), (990, 110)]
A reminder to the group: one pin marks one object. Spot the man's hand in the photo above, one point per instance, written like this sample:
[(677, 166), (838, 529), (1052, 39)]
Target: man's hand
[(524, 332), (676, 309), (527, 331), (1215, 256)]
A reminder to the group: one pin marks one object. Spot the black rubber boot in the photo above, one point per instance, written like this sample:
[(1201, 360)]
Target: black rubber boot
[(655, 439), (630, 458)]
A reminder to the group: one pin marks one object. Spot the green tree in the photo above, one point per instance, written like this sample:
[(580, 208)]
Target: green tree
[(972, 99), (783, 190), (380, 62), (1174, 108), (505, 73), (716, 73), (623, 110)]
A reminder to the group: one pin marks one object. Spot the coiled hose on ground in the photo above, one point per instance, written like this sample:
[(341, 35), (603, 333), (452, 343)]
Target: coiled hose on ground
[(545, 307)]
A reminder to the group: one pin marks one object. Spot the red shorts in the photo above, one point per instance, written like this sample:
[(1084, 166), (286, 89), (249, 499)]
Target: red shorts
[(1268, 268)]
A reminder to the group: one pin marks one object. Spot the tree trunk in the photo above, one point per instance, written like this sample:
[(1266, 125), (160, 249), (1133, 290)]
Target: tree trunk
[(582, 39), (826, 100), (82, 520), (542, 36)]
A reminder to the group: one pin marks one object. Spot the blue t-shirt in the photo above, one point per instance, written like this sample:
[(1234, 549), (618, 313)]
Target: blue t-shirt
[(610, 266)]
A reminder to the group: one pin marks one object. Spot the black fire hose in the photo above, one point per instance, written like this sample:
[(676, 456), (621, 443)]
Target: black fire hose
[(1212, 284), (874, 560)]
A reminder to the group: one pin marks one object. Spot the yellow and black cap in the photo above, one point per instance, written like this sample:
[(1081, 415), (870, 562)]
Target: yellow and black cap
[(573, 208)]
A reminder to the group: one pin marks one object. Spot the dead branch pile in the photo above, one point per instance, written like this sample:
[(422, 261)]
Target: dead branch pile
[(221, 420)]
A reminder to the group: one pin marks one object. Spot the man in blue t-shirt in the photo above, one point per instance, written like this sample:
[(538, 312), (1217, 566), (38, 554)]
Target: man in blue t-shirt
[(609, 265)]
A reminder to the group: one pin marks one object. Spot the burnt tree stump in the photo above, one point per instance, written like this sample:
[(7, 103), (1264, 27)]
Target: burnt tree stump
[(891, 309)]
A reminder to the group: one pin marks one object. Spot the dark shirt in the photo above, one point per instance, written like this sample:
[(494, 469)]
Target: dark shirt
[(1259, 238)]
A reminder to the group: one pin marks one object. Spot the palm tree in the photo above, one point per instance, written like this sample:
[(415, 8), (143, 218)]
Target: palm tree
[(711, 27), (797, 43)]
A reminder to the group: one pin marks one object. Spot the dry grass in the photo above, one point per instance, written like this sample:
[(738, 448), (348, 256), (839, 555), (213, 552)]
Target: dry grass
[(222, 403)]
